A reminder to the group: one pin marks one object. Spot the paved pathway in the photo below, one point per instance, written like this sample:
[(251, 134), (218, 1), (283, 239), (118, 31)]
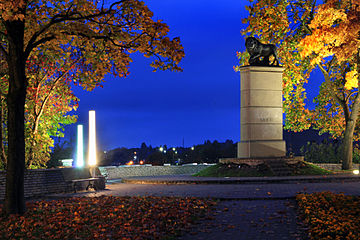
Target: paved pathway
[(255, 210), (259, 219), (265, 189), (186, 179), (228, 191)]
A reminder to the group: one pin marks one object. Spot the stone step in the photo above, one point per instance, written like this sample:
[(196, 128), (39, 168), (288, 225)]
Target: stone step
[(279, 167)]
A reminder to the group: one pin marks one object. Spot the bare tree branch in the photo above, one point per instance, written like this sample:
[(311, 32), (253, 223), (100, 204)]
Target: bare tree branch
[(68, 16)]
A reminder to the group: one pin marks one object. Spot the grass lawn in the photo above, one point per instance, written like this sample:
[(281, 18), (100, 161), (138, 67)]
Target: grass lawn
[(311, 169), (330, 216), (105, 217), (223, 170), (234, 170)]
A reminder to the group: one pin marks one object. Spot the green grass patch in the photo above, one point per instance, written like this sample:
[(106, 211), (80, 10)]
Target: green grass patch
[(262, 170), (233, 170), (310, 169)]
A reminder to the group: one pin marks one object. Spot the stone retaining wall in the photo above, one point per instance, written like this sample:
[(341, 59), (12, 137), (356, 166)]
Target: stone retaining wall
[(39, 182), (113, 172), (334, 166)]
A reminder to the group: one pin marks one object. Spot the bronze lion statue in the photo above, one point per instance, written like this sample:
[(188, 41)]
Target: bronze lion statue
[(258, 50)]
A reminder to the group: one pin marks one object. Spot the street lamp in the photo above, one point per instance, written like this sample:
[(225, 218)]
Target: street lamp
[(135, 157)]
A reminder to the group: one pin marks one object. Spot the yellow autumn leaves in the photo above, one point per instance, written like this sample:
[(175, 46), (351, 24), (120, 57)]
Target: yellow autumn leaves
[(333, 32), (324, 36), (351, 80)]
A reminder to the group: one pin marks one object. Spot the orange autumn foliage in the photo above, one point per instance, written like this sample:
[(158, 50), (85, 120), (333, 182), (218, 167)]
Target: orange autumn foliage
[(335, 31), (330, 216), (105, 217)]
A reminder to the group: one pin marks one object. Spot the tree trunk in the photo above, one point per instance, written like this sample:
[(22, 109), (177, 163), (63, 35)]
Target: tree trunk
[(2, 140), (350, 124), (348, 145), (14, 193)]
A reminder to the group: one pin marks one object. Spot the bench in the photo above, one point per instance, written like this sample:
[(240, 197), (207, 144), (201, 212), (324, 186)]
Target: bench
[(91, 182)]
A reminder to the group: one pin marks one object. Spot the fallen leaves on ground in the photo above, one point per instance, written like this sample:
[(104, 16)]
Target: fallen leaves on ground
[(330, 216), (105, 217)]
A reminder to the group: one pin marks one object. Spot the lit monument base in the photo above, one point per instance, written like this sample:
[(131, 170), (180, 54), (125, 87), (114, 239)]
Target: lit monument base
[(261, 149), (261, 113)]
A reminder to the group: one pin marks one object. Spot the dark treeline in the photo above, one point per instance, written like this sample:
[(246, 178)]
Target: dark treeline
[(296, 144), (209, 152)]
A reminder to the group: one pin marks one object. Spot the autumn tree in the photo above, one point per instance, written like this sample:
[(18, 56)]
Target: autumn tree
[(335, 34), (48, 102), (103, 37), (288, 23)]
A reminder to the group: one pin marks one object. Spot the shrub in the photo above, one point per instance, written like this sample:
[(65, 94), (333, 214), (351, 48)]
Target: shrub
[(327, 152), (321, 153)]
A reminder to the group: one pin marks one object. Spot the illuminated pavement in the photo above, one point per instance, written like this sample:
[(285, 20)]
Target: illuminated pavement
[(264, 189), (262, 210), (248, 220)]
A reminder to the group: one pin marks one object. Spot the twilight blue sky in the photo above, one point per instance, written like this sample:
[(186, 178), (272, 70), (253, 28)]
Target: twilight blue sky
[(201, 103)]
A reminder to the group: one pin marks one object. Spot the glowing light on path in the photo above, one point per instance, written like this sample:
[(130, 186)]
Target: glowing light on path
[(92, 139), (80, 147)]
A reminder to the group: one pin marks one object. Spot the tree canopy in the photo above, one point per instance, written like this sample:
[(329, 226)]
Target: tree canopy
[(96, 38)]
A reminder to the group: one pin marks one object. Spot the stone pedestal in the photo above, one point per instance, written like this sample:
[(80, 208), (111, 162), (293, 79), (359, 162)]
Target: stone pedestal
[(261, 117)]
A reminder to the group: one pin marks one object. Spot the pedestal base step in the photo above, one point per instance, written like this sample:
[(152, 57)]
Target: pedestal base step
[(279, 167)]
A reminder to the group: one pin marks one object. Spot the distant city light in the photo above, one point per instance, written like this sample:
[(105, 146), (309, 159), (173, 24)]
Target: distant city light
[(192, 148), (141, 162), (356, 171), (161, 149), (80, 147), (67, 162), (92, 139), (173, 149), (130, 163)]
